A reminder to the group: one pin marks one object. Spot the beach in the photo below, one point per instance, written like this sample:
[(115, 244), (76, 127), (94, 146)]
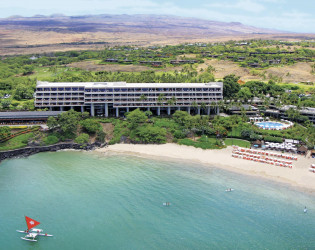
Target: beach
[(298, 176)]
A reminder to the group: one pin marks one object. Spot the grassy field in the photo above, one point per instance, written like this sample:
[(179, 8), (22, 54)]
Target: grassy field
[(204, 142), (17, 142), (237, 142), (44, 73)]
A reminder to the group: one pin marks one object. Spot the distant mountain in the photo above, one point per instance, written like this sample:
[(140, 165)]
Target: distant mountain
[(151, 24), (57, 32)]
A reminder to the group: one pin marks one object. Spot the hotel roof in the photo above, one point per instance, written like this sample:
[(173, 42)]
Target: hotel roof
[(127, 85), (28, 114)]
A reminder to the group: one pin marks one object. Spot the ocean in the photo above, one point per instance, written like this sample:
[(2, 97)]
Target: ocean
[(91, 201)]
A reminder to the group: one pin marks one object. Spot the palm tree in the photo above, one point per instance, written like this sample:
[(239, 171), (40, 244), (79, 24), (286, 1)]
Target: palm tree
[(160, 99), (203, 106), (220, 105), (143, 97), (171, 101), (194, 104)]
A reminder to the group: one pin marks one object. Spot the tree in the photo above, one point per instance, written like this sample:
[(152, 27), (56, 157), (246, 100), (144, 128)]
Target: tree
[(148, 113), (292, 114), (136, 117), (244, 94), (172, 101), (5, 103), (23, 92), (203, 106), (230, 86), (4, 132), (52, 122), (51, 139), (206, 77), (28, 69), (194, 104), (90, 125), (68, 122), (85, 115), (143, 97), (181, 117), (82, 138), (160, 99), (150, 134), (100, 135), (203, 123)]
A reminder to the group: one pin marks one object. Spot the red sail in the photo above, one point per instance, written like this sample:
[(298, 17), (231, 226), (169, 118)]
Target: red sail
[(31, 223)]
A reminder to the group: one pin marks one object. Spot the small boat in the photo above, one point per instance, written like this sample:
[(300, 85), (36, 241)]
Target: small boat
[(229, 190), (37, 231), (32, 232), (30, 237)]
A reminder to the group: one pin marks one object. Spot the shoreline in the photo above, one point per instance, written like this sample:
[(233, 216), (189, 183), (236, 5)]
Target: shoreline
[(299, 176)]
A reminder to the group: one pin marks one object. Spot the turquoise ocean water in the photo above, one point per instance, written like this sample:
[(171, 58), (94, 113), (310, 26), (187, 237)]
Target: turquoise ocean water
[(91, 202)]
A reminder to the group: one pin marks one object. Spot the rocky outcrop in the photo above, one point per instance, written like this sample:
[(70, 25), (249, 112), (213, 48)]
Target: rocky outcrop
[(24, 152)]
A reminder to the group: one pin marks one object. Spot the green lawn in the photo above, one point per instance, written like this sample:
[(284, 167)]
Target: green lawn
[(203, 142), (16, 142), (237, 142), (44, 73), (235, 132)]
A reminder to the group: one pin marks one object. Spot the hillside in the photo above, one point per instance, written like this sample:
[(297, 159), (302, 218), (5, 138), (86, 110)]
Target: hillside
[(40, 34)]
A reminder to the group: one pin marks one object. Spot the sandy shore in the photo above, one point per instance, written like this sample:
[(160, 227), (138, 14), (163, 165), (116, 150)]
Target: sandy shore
[(298, 175)]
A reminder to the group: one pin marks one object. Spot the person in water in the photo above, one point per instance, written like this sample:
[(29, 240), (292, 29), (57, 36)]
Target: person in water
[(305, 210)]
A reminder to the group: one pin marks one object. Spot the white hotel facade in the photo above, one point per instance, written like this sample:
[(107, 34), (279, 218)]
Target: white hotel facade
[(115, 98)]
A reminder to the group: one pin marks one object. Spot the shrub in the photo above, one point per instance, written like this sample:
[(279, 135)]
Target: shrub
[(203, 143), (179, 134), (100, 135), (5, 131), (273, 139), (51, 139), (150, 134), (82, 138), (90, 125)]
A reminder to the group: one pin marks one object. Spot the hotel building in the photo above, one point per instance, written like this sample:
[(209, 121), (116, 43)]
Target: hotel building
[(115, 98)]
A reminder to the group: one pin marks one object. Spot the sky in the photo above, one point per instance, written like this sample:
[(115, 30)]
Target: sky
[(285, 15)]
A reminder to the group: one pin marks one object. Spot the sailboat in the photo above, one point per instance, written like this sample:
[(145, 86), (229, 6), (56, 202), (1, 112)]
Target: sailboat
[(32, 232)]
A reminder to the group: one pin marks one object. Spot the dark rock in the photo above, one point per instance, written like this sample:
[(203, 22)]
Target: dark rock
[(27, 151)]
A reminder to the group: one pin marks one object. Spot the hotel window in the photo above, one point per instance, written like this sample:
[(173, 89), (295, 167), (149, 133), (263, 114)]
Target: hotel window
[(61, 89), (46, 89)]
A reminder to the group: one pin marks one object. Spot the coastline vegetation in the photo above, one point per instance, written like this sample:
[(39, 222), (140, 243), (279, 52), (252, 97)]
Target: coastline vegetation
[(20, 141), (139, 127)]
